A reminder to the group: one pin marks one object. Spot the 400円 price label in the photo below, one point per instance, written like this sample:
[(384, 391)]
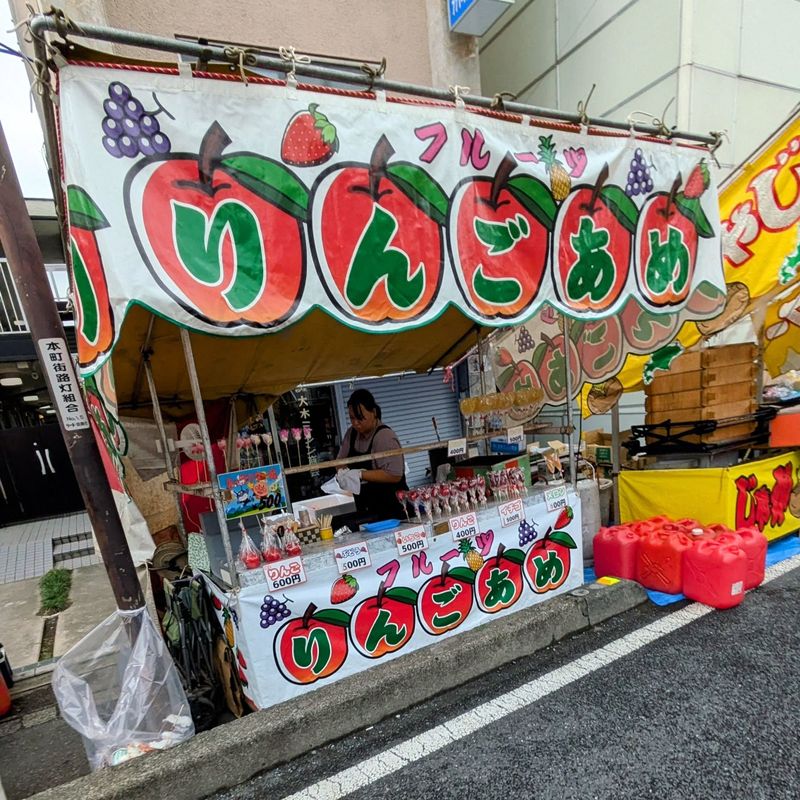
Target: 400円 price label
[(464, 526), (351, 557)]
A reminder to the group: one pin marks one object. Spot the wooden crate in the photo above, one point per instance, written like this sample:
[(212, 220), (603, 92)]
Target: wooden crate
[(719, 376), (729, 354), (737, 408), (673, 401), (727, 394)]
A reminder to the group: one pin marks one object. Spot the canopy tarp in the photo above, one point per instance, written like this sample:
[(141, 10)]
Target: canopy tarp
[(281, 225)]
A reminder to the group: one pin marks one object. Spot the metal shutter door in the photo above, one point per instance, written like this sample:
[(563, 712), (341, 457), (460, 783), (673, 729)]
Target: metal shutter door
[(407, 405)]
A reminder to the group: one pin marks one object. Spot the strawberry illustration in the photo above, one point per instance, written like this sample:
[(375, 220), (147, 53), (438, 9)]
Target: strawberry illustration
[(343, 589), (564, 518), (309, 139), (698, 181)]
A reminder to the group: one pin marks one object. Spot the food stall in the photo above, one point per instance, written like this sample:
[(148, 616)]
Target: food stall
[(234, 237)]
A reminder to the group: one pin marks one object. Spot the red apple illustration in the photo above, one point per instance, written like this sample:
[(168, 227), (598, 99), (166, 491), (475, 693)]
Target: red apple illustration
[(223, 234), (548, 561), (498, 584), (313, 647), (445, 601), (384, 623), (593, 242), (498, 238), (95, 319), (670, 226), (549, 359), (600, 347), (377, 240), (645, 331)]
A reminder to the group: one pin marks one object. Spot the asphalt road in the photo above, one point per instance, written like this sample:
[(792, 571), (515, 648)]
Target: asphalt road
[(708, 710)]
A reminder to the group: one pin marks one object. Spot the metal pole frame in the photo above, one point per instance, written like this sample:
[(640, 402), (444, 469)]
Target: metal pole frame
[(162, 433), (273, 427), (191, 370), (573, 467), (61, 25)]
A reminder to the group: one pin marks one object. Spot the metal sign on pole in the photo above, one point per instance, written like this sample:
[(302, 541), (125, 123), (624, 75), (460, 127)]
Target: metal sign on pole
[(28, 272)]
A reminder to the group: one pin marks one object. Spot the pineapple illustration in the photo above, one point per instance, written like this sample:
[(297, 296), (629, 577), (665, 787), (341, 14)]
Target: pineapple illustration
[(473, 558), (560, 181), (228, 625)]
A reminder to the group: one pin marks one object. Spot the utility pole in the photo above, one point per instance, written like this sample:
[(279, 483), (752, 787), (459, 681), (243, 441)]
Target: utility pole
[(27, 269)]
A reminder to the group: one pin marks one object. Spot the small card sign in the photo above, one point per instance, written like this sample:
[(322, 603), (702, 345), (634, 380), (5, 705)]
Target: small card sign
[(55, 358), (285, 574), (516, 435), (464, 526), (556, 498), (456, 447), (411, 540), (511, 512), (351, 557)]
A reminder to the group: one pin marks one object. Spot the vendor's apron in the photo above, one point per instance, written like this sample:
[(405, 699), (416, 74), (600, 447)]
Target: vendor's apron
[(377, 498)]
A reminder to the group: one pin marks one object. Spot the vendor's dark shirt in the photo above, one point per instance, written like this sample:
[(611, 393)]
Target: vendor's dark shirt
[(385, 439)]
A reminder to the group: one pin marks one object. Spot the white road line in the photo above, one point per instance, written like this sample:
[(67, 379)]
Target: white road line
[(401, 755)]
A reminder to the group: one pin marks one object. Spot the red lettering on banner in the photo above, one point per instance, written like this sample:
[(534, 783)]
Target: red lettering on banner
[(760, 506)]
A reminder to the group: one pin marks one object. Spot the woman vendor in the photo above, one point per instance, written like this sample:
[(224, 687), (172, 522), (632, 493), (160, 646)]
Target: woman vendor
[(368, 434)]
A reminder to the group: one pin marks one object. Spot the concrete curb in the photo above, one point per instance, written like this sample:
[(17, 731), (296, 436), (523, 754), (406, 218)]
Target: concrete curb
[(233, 753)]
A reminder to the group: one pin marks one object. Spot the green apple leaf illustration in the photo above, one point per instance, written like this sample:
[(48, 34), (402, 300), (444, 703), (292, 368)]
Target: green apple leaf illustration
[(691, 209), (403, 594), (621, 206), (420, 188), (83, 211), (535, 197), (270, 180), (333, 616), (563, 538)]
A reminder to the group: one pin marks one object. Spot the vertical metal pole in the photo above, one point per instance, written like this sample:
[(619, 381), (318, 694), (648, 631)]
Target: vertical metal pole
[(573, 470), (212, 470), (273, 426), (615, 465), (162, 433), (27, 269)]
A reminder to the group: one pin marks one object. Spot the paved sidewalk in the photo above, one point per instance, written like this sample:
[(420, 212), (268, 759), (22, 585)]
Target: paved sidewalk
[(30, 549)]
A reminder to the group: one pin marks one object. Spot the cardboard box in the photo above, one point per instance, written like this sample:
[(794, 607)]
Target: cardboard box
[(482, 465)]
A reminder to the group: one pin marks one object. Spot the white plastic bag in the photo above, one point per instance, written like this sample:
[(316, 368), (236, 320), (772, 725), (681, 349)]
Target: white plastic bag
[(119, 688)]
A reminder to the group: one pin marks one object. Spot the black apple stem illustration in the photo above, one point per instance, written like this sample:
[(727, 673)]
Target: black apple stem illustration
[(309, 613), (504, 170), (445, 568), (668, 212), (381, 592), (500, 551), (591, 206), (214, 142), (377, 165)]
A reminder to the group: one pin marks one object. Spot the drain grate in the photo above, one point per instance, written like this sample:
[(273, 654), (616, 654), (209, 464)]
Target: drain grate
[(48, 638)]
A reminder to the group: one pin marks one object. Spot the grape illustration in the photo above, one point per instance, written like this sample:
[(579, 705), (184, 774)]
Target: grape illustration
[(272, 611), (128, 128), (524, 340), (527, 532), (639, 179)]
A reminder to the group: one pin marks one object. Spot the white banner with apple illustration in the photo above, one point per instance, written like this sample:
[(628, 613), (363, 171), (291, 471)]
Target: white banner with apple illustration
[(331, 625), (237, 209)]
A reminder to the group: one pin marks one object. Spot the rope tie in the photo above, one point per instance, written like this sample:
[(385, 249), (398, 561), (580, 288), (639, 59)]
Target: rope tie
[(373, 73), (239, 56), (289, 54)]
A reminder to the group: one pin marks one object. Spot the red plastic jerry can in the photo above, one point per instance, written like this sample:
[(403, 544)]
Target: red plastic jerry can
[(754, 544), (659, 565), (714, 574), (5, 698), (615, 552)]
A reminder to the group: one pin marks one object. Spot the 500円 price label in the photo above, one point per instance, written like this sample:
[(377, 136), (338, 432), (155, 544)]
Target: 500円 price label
[(411, 540), (351, 557)]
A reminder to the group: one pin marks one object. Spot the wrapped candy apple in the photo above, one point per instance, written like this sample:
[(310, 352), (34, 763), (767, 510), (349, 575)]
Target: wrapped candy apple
[(292, 544), (248, 552), (270, 544), (401, 494)]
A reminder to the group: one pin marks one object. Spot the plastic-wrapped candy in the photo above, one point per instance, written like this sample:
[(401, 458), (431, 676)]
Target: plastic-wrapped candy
[(413, 497), (401, 494), (427, 503), (248, 552), (270, 544), (444, 499), (291, 543)]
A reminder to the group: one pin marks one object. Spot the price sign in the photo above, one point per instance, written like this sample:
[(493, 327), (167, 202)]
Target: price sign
[(411, 540), (511, 513), (351, 557), (285, 574), (456, 447), (464, 526), (516, 435), (556, 498)]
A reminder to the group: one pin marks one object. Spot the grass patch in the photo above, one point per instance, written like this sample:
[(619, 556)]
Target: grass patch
[(54, 589)]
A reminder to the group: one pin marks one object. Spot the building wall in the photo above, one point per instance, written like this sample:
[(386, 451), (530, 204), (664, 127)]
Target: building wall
[(413, 34), (720, 64)]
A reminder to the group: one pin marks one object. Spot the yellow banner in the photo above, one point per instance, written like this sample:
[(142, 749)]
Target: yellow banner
[(760, 210), (764, 494)]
